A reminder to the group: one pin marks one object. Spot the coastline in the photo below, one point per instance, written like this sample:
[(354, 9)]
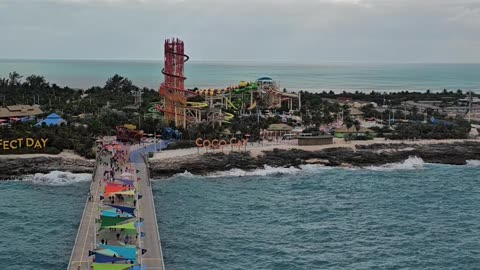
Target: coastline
[(14, 166), (353, 154), (341, 154)]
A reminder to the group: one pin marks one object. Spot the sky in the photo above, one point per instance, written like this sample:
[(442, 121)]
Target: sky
[(263, 30)]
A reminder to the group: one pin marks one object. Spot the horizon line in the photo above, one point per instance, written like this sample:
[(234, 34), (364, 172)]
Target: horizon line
[(279, 61)]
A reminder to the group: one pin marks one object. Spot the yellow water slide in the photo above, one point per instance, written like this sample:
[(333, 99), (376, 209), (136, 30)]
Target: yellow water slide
[(197, 105), (253, 106)]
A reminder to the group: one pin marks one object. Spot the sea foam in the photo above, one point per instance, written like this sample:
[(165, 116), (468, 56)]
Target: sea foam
[(473, 163), (412, 163), (57, 178)]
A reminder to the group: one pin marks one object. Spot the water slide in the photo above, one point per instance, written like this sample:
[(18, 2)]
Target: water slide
[(252, 106), (227, 117), (197, 105), (231, 104)]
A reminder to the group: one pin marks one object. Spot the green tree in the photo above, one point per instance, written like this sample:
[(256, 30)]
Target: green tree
[(14, 78)]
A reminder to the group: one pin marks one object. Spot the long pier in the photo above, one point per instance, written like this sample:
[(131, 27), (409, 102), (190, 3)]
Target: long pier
[(145, 238)]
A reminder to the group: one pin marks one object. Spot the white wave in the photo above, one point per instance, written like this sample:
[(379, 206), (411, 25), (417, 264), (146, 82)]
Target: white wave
[(412, 163), (266, 170), (185, 174), (57, 178), (473, 163)]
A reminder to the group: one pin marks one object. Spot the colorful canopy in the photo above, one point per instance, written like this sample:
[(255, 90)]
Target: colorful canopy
[(99, 258), (126, 226), (125, 181), (111, 190), (109, 266), (126, 192), (106, 252), (113, 213), (112, 221), (128, 253), (126, 209)]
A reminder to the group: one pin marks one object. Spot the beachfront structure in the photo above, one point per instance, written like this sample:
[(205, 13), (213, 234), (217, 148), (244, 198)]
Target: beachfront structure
[(52, 120), (356, 114), (343, 131), (17, 112), (315, 140), (275, 131)]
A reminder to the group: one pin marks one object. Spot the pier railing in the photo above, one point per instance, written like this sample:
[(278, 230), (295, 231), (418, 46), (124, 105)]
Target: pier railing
[(147, 166)]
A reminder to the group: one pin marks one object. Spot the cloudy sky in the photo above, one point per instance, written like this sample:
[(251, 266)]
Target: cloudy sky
[(274, 30)]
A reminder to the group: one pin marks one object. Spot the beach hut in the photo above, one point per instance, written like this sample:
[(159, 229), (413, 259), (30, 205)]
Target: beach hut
[(278, 130), (52, 120), (343, 131)]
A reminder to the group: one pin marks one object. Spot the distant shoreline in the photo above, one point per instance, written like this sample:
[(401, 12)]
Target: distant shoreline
[(354, 154), (171, 162), (312, 76)]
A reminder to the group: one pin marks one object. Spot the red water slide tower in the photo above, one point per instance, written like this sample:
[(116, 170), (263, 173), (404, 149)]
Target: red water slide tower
[(172, 90)]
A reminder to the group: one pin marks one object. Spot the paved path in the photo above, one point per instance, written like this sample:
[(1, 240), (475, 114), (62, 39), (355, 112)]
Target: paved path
[(85, 241), (153, 258)]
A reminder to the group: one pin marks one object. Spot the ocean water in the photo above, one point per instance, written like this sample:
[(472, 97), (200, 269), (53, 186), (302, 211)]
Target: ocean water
[(39, 219), (408, 215), (293, 76)]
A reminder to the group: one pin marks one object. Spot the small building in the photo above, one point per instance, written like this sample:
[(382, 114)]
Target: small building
[(356, 114), (277, 130), (315, 140), (343, 131), (20, 111), (52, 120)]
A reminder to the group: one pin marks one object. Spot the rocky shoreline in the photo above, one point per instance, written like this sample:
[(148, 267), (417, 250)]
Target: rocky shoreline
[(360, 156), (12, 168)]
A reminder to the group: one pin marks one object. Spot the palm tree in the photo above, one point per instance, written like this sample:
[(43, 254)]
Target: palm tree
[(349, 122), (37, 82), (14, 78), (357, 125)]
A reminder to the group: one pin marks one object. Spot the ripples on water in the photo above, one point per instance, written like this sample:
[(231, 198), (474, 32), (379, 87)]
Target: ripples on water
[(39, 219), (425, 217), (402, 216)]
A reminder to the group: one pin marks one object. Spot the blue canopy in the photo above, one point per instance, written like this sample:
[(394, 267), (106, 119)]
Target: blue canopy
[(126, 209), (52, 120), (129, 253)]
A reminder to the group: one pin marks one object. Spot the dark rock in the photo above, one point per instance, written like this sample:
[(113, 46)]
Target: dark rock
[(371, 155), (13, 167)]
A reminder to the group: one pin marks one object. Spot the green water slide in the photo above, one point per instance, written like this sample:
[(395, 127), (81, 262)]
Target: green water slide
[(152, 111), (250, 87)]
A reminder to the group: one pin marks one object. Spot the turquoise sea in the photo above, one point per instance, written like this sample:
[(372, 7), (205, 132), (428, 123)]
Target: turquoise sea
[(409, 215), (293, 76)]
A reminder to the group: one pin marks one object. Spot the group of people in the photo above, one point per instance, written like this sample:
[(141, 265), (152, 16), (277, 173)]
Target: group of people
[(116, 162)]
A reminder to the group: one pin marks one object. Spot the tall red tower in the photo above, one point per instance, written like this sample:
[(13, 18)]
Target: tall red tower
[(173, 88)]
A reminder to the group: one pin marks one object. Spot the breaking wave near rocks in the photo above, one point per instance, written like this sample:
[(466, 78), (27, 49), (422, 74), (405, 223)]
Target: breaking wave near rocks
[(57, 178), (412, 163)]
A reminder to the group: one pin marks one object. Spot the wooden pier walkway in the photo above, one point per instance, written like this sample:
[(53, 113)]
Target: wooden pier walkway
[(86, 238)]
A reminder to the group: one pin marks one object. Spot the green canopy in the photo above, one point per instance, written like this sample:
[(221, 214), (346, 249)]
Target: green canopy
[(109, 266), (112, 221), (126, 226)]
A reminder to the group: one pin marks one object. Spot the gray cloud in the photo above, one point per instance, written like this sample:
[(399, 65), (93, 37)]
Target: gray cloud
[(303, 30)]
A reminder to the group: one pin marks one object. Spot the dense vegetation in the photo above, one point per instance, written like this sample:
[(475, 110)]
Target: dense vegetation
[(95, 112), (407, 131), (90, 113)]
